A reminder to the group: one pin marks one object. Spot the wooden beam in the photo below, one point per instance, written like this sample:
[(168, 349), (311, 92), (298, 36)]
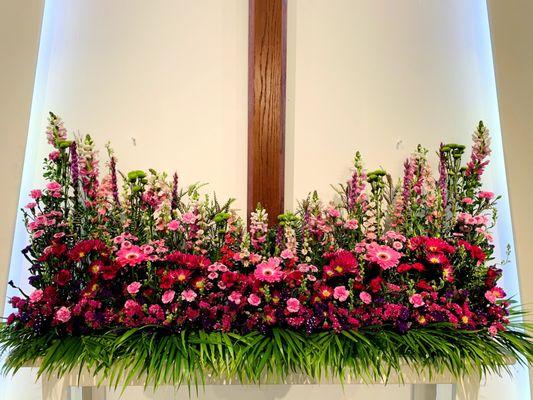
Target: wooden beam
[(266, 105)]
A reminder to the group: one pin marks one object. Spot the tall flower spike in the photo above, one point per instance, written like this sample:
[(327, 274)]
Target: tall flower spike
[(114, 182), (480, 151), (443, 176), (174, 202)]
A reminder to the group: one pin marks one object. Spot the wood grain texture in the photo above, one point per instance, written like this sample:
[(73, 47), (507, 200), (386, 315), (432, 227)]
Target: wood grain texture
[(266, 105)]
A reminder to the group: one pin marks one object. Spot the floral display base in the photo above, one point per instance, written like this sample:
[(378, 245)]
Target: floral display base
[(82, 385)]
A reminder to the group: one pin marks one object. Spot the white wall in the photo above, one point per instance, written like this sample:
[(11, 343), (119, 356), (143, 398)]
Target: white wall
[(170, 76), (20, 23), (381, 77), (512, 43)]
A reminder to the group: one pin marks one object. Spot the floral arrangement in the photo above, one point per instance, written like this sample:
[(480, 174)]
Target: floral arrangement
[(137, 274)]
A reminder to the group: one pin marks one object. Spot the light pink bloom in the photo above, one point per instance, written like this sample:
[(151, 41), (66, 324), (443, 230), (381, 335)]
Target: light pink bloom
[(384, 256), (235, 297), (254, 300), (269, 271), (494, 294), (188, 295), (63, 314), (397, 245), (30, 206), (173, 225), (416, 300), (36, 296), (340, 293), (293, 305), (486, 195), (35, 194), (168, 296), (303, 268), (365, 297), (212, 275), (467, 200), (189, 218), (286, 254), (351, 224), (133, 288), (53, 186), (38, 234), (493, 330), (333, 212)]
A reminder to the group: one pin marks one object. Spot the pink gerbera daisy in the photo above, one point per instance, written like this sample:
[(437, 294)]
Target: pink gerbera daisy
[(130, 255), (384, 256), (269, 271)]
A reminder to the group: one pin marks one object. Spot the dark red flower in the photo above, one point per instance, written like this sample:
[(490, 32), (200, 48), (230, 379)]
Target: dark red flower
[(63, 277)]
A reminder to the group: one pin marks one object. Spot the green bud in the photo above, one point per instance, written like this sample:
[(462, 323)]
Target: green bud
[(64, 144), (136, 189)]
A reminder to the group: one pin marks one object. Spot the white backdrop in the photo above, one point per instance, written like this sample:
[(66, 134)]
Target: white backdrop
[(166, 82)]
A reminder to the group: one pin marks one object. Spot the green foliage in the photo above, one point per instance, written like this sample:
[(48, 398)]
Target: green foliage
[(191, 358)]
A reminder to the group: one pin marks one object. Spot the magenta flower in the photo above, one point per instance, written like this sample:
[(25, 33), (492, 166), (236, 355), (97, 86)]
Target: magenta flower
[(188, 295), (293, 305), (133, 288), (269, 271), (168, 296), (340, 293), (384, 256)]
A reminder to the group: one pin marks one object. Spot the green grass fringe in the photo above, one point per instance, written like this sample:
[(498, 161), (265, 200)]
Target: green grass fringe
[(192, 358)]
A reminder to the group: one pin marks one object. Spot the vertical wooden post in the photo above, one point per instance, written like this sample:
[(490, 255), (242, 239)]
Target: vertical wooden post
[(266, 105)]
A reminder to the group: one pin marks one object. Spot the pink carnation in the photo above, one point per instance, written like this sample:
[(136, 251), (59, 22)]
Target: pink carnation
[(235, 297), (173, 225), (36, 296), (254, 300), (293, 305), (168, 296), (53, 186), (35, 194), (486, 195), (365, 297), (133, 288), (188, 295), (63, 314), (340, 293), (416, 300), (286, 254), (189, 218)]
